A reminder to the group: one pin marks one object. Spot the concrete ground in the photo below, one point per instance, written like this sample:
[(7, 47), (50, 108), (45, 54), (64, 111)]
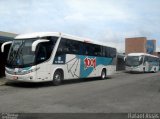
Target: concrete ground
[(124, 92)]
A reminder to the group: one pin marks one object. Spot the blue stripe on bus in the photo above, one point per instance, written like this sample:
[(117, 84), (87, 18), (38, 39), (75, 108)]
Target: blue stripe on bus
[(92, 63)]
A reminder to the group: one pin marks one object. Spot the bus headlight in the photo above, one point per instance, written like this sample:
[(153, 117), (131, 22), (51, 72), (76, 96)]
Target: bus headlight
[(28, 71), (21, 71)]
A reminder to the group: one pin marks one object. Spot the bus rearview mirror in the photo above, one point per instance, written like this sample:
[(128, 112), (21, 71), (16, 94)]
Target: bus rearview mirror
[(140, 58), (35, 43), (4, 44)]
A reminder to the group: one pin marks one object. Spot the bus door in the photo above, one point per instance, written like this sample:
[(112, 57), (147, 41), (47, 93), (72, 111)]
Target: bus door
[(146, 63), (42, 65)]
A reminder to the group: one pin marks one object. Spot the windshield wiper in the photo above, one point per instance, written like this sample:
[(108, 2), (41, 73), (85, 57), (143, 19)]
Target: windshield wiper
[(11, 57), (15, 54)]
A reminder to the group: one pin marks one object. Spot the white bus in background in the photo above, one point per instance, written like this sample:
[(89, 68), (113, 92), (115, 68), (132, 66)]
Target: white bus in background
[(142, 62), (54, 56)]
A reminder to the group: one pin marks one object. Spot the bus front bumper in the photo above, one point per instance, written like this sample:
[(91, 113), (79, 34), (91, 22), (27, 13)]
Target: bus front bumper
[(21, 78), (133, 69)]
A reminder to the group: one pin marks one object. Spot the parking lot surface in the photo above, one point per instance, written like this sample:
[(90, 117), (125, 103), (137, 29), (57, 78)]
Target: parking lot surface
[(124, 92)]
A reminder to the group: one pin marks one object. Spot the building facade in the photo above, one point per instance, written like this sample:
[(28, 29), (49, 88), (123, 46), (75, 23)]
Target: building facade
[(140, 44)]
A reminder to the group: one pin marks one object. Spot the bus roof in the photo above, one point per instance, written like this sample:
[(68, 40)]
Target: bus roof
[(36, 35), (140, 54), (57, 34), (45, 34)]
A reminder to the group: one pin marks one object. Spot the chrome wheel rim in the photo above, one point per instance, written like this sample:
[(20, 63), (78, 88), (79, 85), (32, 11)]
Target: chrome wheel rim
[(57, 78), (103, 75)]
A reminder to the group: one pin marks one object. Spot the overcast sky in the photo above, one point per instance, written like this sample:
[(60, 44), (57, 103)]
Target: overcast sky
[(107, 21)]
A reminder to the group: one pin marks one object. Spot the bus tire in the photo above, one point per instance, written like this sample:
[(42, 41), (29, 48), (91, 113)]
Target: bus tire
[(154, 70), (103, 74), (144, 70), (57, 78)]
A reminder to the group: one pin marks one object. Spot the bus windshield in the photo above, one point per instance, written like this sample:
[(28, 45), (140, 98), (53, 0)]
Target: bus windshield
[(20, 53), (133, 60)]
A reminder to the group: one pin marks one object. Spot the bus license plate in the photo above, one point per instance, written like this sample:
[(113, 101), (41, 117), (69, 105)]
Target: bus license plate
[(15, 77)]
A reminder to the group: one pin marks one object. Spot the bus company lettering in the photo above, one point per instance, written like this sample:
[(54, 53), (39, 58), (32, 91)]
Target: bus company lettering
[(89, 62)]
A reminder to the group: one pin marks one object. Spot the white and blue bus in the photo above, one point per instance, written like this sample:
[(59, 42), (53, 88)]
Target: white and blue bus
[(54, 56), (142, 62)]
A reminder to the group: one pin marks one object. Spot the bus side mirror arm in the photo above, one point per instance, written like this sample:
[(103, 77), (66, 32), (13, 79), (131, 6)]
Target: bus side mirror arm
[(4, 44), (35, 43), (140, 58)]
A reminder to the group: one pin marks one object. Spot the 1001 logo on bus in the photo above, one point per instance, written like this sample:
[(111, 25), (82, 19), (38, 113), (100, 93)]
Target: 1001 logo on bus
[(89, 62)]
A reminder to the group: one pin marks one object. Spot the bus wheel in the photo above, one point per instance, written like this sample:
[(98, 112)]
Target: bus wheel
[(143, 70), (103, 74), (57, 78), (154, 70)]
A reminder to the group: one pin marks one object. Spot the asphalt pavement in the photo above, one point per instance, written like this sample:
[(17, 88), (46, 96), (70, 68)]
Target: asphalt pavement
[(2, 81), (123, 92)]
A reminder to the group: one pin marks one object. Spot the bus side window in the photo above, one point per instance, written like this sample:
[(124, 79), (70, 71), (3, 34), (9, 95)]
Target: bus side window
[(85, 50), (145, 58), (73, 46), (88, 49), (112, 52), (62, 49), (68, 46), (103, 51), (149, 59), (107, 54), (97, 50), (78, 47), (80, 44)]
